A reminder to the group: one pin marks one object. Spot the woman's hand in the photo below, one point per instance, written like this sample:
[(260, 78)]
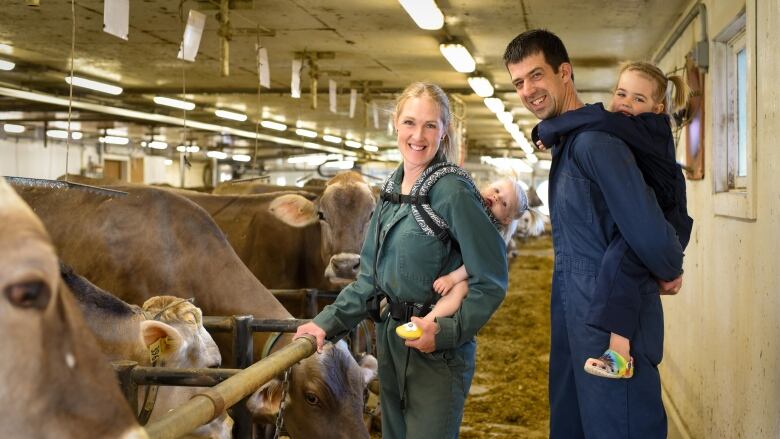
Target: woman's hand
[(427, 341), (311, 328)]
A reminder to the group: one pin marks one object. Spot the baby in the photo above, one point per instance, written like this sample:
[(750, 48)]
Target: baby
[(507, 201)]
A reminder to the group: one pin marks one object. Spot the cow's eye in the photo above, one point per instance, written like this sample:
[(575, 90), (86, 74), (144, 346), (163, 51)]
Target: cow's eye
[(34, 294), (321, 215), (311, 398)]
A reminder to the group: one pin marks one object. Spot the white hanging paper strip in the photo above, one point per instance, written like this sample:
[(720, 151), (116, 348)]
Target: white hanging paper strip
[(196, 21), (116, 17), (352, 102), (295, 84), (263, 71), (332, 89), (375, 110)]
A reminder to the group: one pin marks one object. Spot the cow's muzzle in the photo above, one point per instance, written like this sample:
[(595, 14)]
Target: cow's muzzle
[(343, 267)]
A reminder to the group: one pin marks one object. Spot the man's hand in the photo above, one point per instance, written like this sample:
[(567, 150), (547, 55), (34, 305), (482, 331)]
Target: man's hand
[(311, 328), (671, 287), (427, 341)]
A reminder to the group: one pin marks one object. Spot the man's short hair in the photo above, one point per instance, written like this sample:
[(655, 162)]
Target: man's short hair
[(535, 41)]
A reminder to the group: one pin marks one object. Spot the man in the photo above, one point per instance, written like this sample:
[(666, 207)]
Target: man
[(595, 189)]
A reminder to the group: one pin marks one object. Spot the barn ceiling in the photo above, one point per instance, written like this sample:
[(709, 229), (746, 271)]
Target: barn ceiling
[(372, 46)]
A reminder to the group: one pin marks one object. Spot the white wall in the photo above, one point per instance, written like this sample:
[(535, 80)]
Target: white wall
[(29, 158), (722, 347)]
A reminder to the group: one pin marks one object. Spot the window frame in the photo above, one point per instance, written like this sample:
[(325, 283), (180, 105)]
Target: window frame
[(734, 195)]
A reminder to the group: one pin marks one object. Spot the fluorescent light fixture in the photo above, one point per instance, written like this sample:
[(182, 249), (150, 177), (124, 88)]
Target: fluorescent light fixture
[(531, 158), (241, 157), (157, 144), (331, 139), (495, 105), (481, 86), (271, 125), (6, 65), (512, 128), (190, 148), (181, 148), (306, 133), (340, 164), (62, 134), (114, 140), (353, 144), (459, 57), (225, 114), (505, 117), (93, 85), (219, 155), (545, 164), (168, 162), (371, 148), (120, 132), (310, 159), (175, 103), (13, 128), (425, 13), (5, 48)]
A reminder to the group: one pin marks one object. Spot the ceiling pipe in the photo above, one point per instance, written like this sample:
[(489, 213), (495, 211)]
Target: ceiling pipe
[(702, 46), (224, 37)]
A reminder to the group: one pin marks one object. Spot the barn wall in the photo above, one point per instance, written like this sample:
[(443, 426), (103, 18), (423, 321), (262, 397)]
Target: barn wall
[(29, 158), (722, 345)]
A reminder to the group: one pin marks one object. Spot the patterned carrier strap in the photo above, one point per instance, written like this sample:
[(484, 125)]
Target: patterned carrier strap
[(428, 220)]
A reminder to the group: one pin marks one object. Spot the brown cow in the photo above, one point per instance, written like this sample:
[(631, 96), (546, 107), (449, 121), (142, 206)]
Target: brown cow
[(276, 234), (54, 381), (153, 241), (125, 332)]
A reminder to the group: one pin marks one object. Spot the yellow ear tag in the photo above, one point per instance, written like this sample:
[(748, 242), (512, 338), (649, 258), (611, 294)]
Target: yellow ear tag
[(409, 331), (157, 348)]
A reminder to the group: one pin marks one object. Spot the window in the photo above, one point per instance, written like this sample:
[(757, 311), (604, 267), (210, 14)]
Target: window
[(734, 117)]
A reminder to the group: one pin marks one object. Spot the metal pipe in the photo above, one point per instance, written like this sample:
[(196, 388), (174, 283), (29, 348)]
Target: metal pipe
[(172, 376), (205, 406), (700, 9), (243, 350), (124, 371), (225, 324)]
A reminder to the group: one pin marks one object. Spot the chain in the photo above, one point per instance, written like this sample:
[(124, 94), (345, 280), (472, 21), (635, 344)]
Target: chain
[(280, 416)]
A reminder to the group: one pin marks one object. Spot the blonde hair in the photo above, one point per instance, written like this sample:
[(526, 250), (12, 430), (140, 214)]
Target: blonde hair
[(661, 82), (447, 150)]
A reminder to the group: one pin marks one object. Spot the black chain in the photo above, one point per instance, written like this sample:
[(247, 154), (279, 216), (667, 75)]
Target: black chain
[(280, 416)]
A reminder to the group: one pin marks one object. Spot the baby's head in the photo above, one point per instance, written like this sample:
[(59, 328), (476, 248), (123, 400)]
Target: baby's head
[(506, 199), (641, 88)]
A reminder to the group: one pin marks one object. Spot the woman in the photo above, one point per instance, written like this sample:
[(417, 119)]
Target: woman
[(424, 382)]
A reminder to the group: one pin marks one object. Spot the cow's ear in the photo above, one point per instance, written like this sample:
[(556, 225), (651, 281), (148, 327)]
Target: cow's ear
[(294, 210), (264, 403), (368, 367), (160, 337)]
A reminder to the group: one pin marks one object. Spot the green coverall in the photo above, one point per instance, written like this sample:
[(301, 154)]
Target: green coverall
[(433, 386)]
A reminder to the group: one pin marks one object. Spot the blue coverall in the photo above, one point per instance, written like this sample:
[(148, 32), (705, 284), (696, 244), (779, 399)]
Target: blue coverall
[(596, 191), (616, 300)]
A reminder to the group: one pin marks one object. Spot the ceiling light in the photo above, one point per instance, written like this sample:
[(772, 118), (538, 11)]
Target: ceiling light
[(459, 57), (371, 148), (5, 48), (62, 134), (185, 148), (168, 162), (157, 144), (175, 103), (331, 139), (93, 85), (271, 125), (120, 132), (225, 114), (114, 140), (545, 164), (505, 117), (339, 164), (494, 104), (241, 158), (6, 65), (531, 158), (305, 133), (219, 155), (353, 144), (13, 128), (425, 13), (481, 86)]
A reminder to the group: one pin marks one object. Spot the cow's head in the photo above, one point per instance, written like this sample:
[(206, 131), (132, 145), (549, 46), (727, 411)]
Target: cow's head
[(176, 327), (54, 382), (531, 223), (320, 405), (343, 213)]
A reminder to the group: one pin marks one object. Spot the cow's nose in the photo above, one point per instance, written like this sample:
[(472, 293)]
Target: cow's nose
[(346, 265)]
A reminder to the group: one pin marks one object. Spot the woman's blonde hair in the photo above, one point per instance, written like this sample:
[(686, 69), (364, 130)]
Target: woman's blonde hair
[(661, 82), (447, 150)]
